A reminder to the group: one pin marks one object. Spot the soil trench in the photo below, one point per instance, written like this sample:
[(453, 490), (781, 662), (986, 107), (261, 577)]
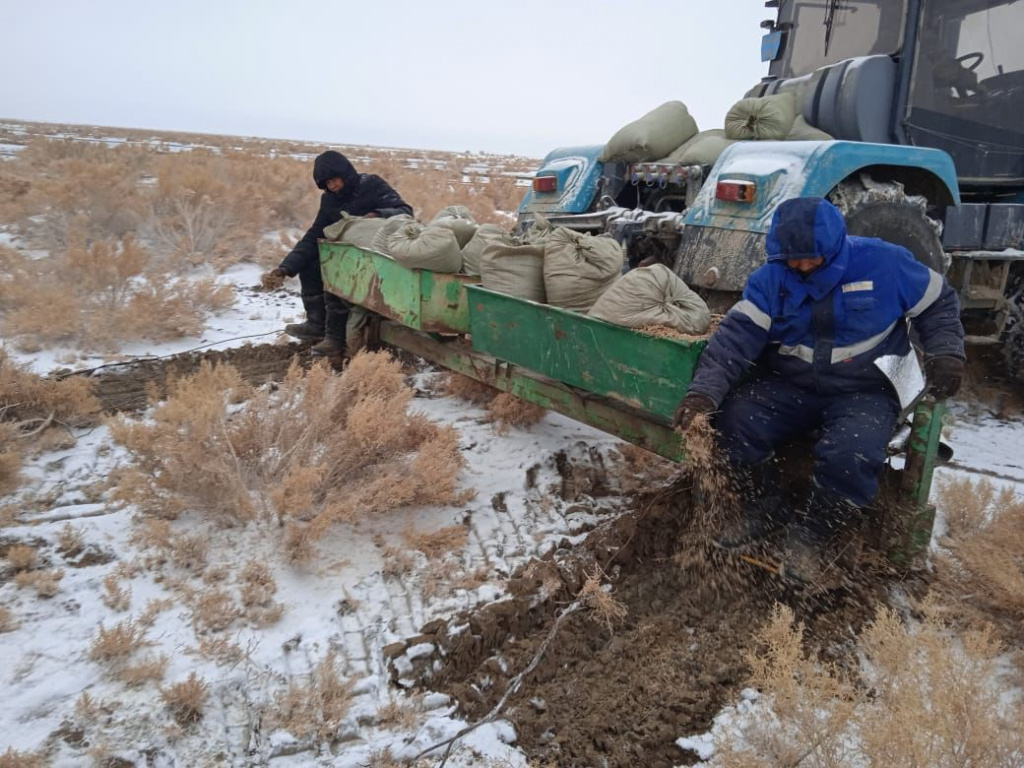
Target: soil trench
[(128, 387), (621, 694)]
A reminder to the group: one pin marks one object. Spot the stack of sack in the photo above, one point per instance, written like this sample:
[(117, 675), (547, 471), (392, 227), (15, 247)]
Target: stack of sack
[(432, 247), (669, 135), (653, 296), (355, 230)]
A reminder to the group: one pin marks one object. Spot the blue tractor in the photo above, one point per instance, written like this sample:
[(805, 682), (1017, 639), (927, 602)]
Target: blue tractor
[(925, 101)]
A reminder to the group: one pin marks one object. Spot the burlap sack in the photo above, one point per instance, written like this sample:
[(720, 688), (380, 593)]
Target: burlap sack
[(578, 268), (474, 248), (514, 266), (765, 118), (654, 135), (459, 220), (391, 225), (679, 152), (804, 131), (419, 247), (653, 296), (706, 148), (354, 230)]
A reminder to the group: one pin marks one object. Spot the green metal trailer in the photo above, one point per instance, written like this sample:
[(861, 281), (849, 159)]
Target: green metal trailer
[(613, 378)]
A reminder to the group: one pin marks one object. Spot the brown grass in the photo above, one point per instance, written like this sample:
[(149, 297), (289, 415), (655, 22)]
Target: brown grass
[(926, 697), (437, 544), (597, 598), (114, 596), (257, 589), (13, 758), (316, 707), (45, 583), (26, 397), (186, 700), (981, 567), (7, 621), (318, 450), (508, 411), (214, 611), (101, 294), (468, 389), (113, 647), (22, 557)]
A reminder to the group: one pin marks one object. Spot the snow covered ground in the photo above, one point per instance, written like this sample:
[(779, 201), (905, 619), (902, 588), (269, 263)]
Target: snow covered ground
[(350, 601), (345, 601)]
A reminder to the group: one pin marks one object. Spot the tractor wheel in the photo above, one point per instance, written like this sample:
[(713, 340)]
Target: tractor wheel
[(885, 211)]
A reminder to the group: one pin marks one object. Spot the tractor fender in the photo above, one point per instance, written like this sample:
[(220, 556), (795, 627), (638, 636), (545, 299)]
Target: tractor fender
[(785, 169), (578, 173)]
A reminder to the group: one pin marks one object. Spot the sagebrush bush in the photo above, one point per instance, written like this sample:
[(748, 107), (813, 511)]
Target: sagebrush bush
[(321, 448), (317, 706), (924, 697), (187, 700), (981, 568)]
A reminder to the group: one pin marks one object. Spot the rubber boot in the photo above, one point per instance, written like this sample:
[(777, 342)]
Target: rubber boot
[(316, 316), (333, 344), (807, 560), (763, 512)]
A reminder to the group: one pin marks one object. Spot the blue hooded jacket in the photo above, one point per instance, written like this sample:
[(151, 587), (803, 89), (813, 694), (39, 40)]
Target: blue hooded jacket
[(824, 331)]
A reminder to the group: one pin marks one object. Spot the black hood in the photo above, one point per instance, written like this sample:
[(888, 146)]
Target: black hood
[(331, 164)]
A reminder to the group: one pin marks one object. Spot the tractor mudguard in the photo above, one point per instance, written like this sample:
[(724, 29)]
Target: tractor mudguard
[(784, 169), (577, 174)]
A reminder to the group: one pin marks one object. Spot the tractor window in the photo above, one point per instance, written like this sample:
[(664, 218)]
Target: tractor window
[(968, 84), (971, 63), (830, 31)]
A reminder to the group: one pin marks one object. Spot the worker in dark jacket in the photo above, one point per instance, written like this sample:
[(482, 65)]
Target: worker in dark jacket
[(826, 320), (344, 191)]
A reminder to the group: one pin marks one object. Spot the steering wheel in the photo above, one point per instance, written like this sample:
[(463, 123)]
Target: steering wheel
[(978, 57)]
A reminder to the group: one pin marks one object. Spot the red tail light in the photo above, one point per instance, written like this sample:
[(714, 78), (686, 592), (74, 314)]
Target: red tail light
[(736, 191), (545, 184)]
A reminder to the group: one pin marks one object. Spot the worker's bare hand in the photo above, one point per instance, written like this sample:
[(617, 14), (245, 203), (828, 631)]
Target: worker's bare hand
[(692, 406), (273, 279), (371, 215)]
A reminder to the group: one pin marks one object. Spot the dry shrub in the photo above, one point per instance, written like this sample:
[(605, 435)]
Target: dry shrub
[(468, 389), (26, 397), (114, 596), (112, 647), (257, 588), (982, 565), (70, 541), (507, 410), (186, 700), (437, 544), (45, 583), (214, 611), (22, 557), (13, 758), (399, 716), (151, 669), (100, 294), (317, 707), (10, 459), (603, 608), (927, 697), (319, 449), (7, 621)]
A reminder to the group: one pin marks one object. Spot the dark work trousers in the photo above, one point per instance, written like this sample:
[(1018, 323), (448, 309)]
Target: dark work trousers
[(854, 428), (311, 284)]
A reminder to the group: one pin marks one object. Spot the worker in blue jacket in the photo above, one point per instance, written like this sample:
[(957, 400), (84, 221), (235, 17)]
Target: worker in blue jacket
[(826, 320)]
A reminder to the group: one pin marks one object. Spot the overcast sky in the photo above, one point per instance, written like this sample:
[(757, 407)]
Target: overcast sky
[(485, 75)]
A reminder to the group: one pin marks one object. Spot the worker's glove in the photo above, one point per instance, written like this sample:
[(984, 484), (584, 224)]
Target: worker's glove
[(691, 406), (944, 375), (273, 279)]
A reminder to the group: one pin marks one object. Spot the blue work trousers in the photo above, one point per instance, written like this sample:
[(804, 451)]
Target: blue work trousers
[(854, 430)]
